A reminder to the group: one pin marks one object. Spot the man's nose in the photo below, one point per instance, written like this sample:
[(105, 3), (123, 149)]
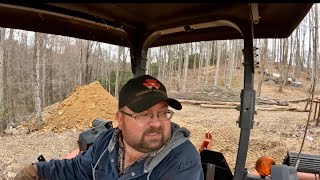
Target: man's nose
[(155, 120), (155, 116)]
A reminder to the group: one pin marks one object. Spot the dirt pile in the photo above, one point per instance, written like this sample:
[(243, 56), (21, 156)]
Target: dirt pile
[(80, 108)]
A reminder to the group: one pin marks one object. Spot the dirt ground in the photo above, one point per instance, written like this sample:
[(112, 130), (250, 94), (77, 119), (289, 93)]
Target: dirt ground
[(275, 132)]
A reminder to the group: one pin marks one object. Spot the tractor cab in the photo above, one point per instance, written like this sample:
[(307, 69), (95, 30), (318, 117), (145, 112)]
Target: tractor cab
[(140, 26)]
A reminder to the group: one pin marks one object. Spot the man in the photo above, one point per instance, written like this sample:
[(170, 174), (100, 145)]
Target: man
[(145, 145)]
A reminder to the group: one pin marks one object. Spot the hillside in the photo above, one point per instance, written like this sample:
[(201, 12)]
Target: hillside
[(269, 88)]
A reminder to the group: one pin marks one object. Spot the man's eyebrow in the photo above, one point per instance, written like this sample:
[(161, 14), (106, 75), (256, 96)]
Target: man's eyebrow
[(164, 106)]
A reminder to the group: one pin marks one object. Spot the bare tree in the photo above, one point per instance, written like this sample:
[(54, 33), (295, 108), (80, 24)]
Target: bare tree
[(44, 67), (116, 88), (315, 44), (280, 54), (8, 63), (289, 64), (310, 44), (170, 61), (201, 47), (216, 76), (297, 56), (87, 74), (108, 78), (50, 70), (263, 62), (2, 75), (274, 51), (185, 66), (302, 57), (207, 61), (124, 58), (284, 64), (231, 64), (179, 69), (37, 46), (160, 62)]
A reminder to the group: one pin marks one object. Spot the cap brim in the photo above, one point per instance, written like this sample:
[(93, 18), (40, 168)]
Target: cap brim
[(175, 104), (148, 101)]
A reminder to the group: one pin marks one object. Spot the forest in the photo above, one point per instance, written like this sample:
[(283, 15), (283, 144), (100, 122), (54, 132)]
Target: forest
[(37, 69)]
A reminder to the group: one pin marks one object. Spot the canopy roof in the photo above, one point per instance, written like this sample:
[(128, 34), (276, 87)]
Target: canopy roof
[(112, 22)]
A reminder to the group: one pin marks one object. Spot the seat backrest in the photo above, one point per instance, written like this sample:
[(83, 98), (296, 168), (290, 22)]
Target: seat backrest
[(215, 166)]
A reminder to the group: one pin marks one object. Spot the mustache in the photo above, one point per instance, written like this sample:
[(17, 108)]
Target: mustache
[(153, 130)]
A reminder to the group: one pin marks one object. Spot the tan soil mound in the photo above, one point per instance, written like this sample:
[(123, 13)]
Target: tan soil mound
[(80, 108)]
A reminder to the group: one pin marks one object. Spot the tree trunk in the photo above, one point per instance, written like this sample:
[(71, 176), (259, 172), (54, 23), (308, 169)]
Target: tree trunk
[(87, 71), (2, 66), (297, 55), (302, 57), (124, 59), (116, 88), (185, 66), (284, 64), (280, 49), (290, 54), (37, 47), (109, 71), (170, 61), (159, 60), (216, 76), (310, 45), (207, 61), (264, 56), (200, 62), (194, 51), (50, 72), (274, 51), (8, 91), (79, 43), (316, 57), (164, 69), (180, 56), (149, 61), (231, 64), (44, 65)]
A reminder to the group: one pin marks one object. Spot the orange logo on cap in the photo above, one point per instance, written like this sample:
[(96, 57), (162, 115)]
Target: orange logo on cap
[(150, 83)]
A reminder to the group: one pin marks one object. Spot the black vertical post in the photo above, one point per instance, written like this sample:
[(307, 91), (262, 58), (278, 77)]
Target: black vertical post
[(139, 45), (138, 58), (247, 103)]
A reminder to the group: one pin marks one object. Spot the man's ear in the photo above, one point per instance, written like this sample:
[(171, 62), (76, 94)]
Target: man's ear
[(119, 116)]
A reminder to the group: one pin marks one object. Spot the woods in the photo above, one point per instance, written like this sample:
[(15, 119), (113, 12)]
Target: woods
[(37, 70)]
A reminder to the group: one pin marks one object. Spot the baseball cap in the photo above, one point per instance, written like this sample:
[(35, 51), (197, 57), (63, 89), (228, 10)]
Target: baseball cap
[(142, 92)]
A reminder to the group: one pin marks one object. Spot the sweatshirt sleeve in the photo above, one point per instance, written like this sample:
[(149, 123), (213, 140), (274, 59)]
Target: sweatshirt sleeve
[(65, 169), (79, 167)]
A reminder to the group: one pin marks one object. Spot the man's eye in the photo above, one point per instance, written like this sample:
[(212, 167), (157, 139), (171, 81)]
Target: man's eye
[(145, 115), (164, 113)]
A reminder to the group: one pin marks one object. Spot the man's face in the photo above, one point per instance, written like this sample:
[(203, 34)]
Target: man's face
[(148, 135)]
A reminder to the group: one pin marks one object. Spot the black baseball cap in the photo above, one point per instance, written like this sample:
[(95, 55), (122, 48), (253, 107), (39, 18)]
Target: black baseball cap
[(142, 92)]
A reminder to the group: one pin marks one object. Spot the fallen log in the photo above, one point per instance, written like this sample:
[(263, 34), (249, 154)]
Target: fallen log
[(195, 102), (217, 106), (275, 109), (225, 103), (297, 100), (272, 102), (258, 108), (200, 92), (279, 102)]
